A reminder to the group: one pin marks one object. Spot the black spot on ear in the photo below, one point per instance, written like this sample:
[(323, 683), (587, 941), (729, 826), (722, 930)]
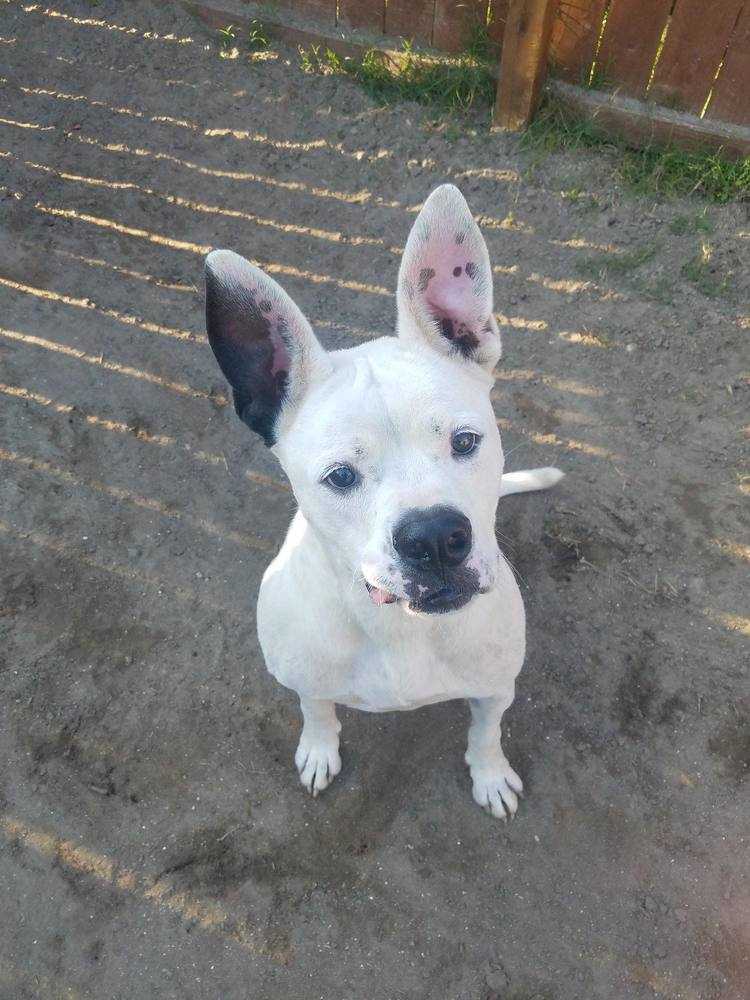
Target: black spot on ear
[(425, 276), (460, 237), (265, 305), (460, 335), (456, 272), (465, 340), (472, 269)]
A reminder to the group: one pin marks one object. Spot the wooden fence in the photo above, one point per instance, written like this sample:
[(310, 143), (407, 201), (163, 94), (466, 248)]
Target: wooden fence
[(442, 24), (687, 55), (674, 70)]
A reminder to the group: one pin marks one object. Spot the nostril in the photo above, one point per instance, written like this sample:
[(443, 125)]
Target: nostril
[(457, 541)]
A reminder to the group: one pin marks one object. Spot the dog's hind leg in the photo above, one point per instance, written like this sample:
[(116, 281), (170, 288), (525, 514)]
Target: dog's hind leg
[(317, 758), (530, 479), (495, 785)]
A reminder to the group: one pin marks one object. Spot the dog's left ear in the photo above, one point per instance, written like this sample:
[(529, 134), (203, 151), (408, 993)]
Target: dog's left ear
[(262, 341), (445, 282)]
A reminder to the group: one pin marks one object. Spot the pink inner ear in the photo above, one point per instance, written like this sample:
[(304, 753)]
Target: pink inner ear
[(277, 324), (281, 361), (268, 326), (448, 276), (450, 297)]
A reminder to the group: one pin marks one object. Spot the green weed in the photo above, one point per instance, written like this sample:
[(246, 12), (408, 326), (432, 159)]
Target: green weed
[(227, 37), (457, 83), (257, 39)]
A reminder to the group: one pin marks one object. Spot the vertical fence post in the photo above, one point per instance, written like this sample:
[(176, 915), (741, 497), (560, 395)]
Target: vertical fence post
[(523, 63)]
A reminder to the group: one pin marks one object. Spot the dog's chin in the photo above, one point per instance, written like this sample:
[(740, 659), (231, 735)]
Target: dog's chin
[(440, 602), (436, 602)]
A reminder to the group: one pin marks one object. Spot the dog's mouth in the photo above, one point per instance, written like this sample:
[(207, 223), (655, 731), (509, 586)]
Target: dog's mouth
[(441, 601), (431, 602), (380, 596)]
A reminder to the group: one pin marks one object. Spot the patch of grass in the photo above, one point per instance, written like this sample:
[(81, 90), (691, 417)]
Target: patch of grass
[(457, 83), (691, 225), (603, 265), (651, 171), (581, 199), (701, 272), (660, 289)]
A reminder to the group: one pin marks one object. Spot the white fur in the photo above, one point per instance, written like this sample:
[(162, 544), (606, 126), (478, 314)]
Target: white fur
[(388, 408)]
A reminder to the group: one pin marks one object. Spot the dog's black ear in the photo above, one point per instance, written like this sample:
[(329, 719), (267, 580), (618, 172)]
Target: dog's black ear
[(445, 282), (263, 343)]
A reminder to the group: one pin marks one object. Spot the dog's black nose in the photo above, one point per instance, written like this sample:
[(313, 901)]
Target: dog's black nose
[(437, 539)]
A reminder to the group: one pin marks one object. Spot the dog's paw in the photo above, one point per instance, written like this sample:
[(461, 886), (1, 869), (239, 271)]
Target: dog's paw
[(496, 788), (318, 764)]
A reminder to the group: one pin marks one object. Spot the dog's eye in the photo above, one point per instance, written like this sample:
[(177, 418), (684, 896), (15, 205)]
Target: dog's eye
[(343, 477), (465, 442)]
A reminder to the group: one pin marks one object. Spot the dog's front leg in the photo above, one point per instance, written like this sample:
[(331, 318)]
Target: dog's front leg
[(496, 786), (317, 757)]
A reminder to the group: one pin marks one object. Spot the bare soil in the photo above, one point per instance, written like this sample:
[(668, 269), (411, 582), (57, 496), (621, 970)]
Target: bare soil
[(154, 839)]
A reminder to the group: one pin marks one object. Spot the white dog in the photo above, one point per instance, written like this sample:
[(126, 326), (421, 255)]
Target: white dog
[(390, 591)]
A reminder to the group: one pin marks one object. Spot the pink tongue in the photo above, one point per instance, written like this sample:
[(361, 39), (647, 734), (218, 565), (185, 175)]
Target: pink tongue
[(378, 596)]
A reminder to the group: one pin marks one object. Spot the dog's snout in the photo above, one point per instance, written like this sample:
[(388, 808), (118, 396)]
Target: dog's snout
[(437, 539)]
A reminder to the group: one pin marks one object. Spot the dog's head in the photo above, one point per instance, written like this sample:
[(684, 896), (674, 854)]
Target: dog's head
[(391, 447)]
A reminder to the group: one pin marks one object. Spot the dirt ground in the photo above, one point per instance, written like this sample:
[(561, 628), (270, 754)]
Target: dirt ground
[(154, 840)]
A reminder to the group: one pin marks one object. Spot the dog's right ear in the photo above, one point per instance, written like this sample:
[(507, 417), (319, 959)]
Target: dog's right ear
[(263, 343), (445, 283)]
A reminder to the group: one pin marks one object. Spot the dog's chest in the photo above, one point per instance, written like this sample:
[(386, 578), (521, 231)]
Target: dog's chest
[(387, 681), (380, 659)]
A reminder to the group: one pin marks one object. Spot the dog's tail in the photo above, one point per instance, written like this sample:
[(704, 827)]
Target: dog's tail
[(531, 479)]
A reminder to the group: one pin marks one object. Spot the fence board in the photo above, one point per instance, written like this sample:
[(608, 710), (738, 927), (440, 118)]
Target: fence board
[(630, 41), (320, 11), (369, 15), (698, 34), (523, 63), (645, 124), (410, 19), (455, 20), (497, 13), (575, 33), (730, 101)]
